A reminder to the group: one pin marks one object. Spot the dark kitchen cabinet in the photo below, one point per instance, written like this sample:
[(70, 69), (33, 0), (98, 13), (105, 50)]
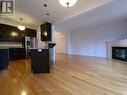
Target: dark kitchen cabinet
[(1, 33), (46, 32), (4, 59), (13, 34), (10, 33), (16, 53), (30, 32)]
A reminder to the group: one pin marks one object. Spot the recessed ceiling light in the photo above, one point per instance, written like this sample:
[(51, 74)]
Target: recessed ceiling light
[(47, 14), (45, 5)]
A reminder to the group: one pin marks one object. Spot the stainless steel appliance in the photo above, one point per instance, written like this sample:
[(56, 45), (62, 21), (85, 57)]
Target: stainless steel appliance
[(29, 44)]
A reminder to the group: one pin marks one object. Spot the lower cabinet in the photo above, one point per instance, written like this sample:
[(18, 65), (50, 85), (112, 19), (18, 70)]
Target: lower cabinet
[(16, 53), (4, 59)]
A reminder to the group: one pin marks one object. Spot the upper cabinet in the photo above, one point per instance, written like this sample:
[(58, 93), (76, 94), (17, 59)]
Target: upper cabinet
[(30, 32), (46, 32), (13, 34), (9, 33)]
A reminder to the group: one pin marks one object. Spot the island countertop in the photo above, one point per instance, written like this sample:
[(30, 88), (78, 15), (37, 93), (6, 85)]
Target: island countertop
[(37, 48)]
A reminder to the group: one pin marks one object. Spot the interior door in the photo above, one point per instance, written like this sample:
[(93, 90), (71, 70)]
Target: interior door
[(61, 43)]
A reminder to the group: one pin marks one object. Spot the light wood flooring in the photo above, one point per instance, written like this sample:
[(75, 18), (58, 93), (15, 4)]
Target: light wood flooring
[(71, 75)]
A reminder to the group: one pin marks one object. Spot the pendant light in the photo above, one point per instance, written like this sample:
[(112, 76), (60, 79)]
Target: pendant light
[(67, 3), (20, 27)]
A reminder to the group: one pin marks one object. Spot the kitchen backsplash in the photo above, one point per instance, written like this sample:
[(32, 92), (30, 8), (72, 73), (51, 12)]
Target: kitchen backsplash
[(10, 45)]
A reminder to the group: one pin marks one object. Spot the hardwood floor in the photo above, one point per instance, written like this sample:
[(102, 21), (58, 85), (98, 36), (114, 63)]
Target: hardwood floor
[(71, 75)]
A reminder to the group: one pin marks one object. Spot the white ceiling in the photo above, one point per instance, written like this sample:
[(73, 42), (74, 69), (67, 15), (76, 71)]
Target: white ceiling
[(113, 11), (34, 13)]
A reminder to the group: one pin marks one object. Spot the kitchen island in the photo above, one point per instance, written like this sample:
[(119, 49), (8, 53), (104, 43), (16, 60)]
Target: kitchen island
[(41, 60)]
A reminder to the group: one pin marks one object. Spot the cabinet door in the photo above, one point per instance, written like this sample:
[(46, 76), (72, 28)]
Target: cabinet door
[(16, 53), (15, 35), (46, 32), (10, 33), (3, 32), (4, 58), (30, 32)]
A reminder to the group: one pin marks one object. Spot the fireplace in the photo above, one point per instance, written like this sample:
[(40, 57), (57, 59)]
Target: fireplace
[(119, 53)]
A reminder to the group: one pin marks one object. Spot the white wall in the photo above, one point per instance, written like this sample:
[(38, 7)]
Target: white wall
[(92, 41)]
